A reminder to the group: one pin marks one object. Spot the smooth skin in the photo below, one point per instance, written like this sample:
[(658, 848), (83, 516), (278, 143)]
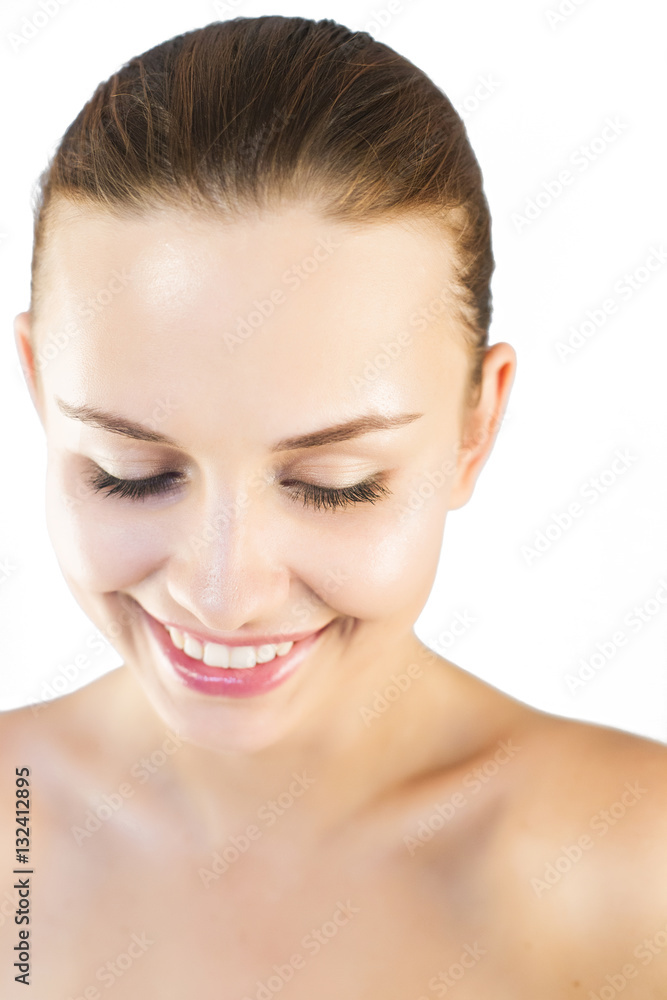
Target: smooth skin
[(455, 839)]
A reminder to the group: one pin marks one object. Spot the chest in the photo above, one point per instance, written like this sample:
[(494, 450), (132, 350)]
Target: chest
[(249, 923)]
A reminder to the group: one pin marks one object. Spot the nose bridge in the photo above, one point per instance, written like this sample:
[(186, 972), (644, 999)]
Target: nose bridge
[(229, 568)]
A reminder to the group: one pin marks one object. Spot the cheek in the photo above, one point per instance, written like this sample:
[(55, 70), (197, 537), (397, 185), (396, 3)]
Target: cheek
[(384, 565), (387, 555), (99, 546)]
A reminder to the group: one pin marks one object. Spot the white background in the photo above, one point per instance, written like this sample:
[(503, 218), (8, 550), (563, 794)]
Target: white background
[(552, 81)]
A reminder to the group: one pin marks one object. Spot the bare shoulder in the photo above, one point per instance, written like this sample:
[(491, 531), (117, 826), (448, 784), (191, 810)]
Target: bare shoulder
[(61, 742), (577, 772), (35, 743), (64, 724), (584, 852), (27, 734)]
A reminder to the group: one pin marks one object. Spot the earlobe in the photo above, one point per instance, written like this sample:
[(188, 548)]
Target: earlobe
[(22, 327), (483, 423)]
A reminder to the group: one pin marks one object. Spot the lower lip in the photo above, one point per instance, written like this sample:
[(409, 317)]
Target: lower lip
[(226, 681)]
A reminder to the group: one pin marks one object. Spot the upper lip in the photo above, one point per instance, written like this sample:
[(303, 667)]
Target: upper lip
[(242, 640)]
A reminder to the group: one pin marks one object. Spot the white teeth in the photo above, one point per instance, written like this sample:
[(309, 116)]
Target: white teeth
[(214, 654), (176, 637), (193, 647), (242, 656)]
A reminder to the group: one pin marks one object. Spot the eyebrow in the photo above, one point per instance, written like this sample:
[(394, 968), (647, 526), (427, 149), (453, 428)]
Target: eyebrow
[(329, 435)]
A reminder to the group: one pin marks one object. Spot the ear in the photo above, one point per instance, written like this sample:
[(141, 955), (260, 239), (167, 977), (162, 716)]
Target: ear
[(22, 327), (482, 422)]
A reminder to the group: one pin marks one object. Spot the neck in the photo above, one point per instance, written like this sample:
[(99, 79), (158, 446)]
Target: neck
[(367, 738)]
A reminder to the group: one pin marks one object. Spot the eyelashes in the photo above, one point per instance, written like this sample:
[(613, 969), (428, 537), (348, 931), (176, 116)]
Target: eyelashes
[(133, 489), (367, 491), (318, 497)]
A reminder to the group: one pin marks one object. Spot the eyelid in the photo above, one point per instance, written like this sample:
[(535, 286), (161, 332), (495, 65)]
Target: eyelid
[(367, 490), (133, 467), (137, 489)]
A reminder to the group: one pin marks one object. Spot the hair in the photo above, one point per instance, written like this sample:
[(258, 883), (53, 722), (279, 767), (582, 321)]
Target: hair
[(243, 115)]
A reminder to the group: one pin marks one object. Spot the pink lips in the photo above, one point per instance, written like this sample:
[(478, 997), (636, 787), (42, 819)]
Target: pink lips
[(227, 681)]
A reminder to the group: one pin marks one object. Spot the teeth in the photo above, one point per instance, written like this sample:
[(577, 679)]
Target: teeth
[(176, 637), (193, 647), (242, 656), (214, 654)]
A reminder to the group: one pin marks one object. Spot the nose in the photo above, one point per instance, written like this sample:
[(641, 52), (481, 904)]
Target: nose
[(229, 568)]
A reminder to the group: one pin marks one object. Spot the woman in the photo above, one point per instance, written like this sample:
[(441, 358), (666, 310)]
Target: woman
[(258, 328)]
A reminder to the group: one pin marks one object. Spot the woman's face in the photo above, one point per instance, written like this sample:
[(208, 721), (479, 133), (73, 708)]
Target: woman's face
[(221, 344)]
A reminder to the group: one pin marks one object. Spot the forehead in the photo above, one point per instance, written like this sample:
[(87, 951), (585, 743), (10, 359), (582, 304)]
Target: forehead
[(286, 306)]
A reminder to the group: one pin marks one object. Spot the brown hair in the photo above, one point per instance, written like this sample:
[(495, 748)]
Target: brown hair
[(240, 114)]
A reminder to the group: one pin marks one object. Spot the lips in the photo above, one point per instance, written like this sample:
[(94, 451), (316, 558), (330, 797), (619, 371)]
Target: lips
[(242, 680)]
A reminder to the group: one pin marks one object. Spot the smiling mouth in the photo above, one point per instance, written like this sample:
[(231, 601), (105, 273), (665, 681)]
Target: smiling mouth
[(214, 654), (232, 670), (233, 655)]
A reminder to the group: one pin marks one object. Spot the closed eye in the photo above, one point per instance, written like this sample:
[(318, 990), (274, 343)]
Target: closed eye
[(367, 491), (319, 497), (133, 489)]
